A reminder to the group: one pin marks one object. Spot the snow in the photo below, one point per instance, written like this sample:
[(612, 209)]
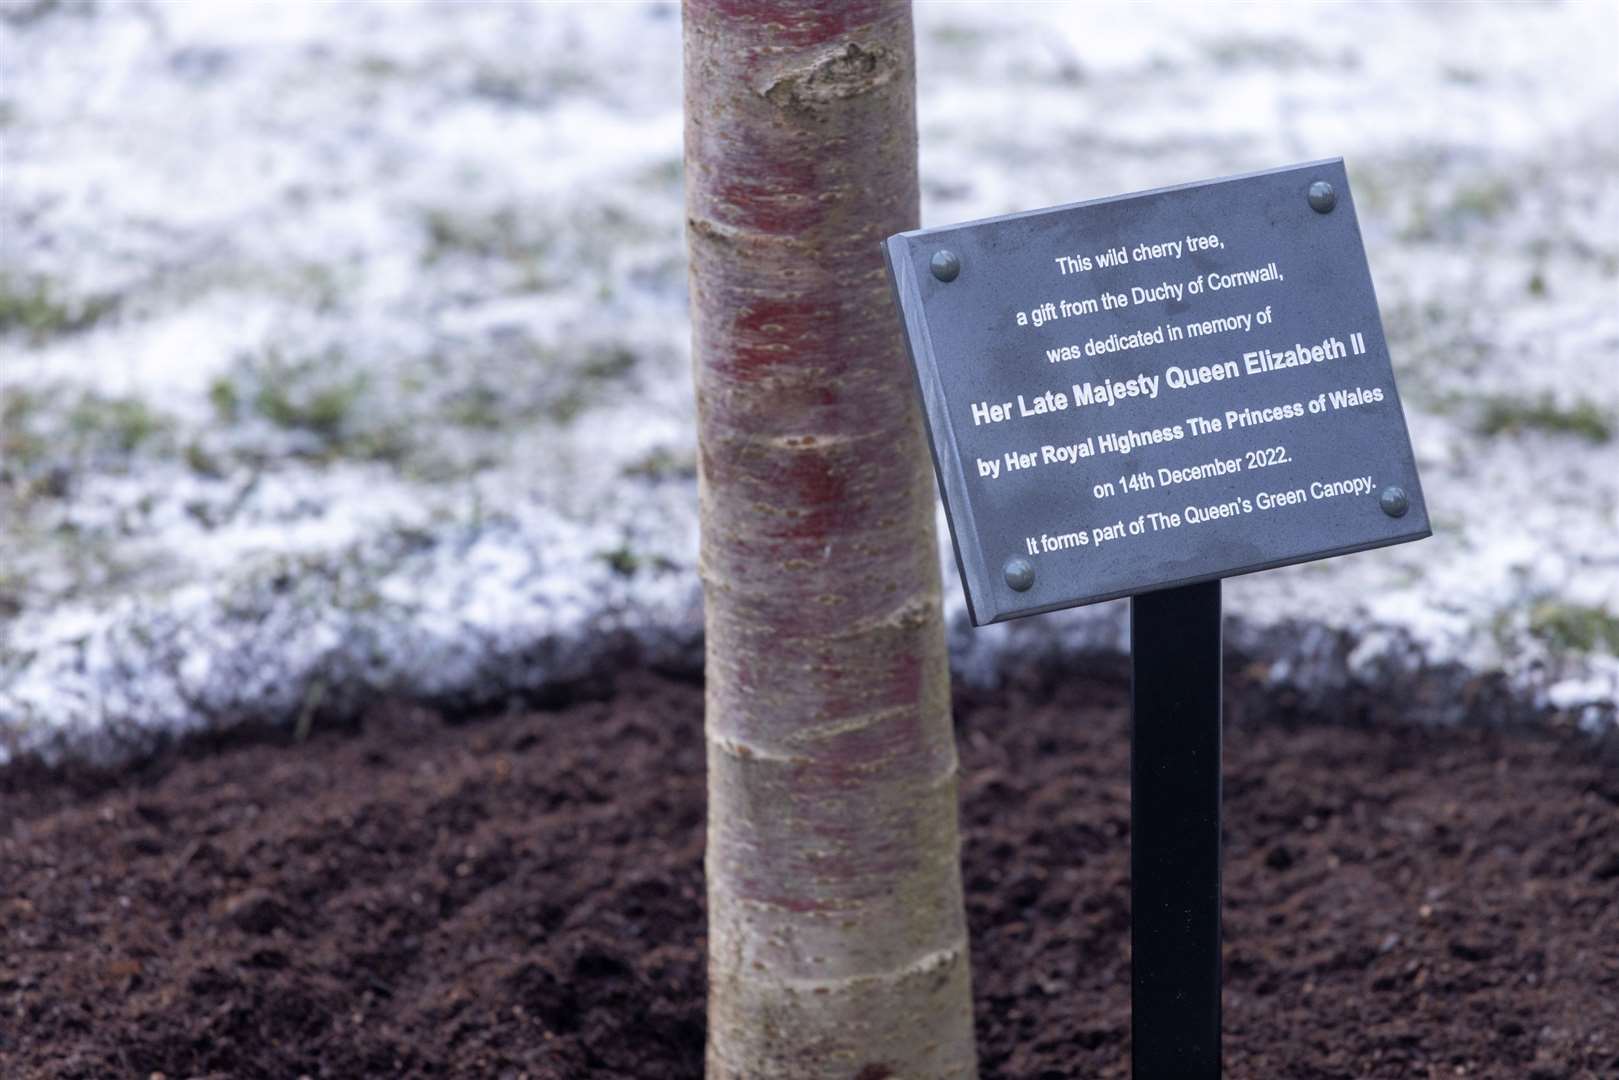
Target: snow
[(364, 362)]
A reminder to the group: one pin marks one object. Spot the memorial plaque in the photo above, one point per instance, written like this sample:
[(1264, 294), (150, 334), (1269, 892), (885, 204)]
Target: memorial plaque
[(1156, 389)]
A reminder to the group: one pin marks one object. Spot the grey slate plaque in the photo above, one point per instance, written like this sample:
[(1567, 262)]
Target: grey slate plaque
[(1138, 392)]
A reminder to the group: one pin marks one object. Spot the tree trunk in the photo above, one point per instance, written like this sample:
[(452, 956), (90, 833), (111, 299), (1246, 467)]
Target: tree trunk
[(837, 942)]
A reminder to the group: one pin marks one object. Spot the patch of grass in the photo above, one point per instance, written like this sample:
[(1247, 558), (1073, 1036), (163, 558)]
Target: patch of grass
[(566, 406), (20, 443), (582, 383), (1417, 226), (378, 66), (661, 463), (477, 407), (318, 284), (665, 173), (502, 236), (382, 442), (323, 394), (121, 424), (1503, 415), (1575, 627), (498, 235), (449, 233), (954, 34), (528, 86), (201, 462), (1435, 198), (224, 398), (11, 597), (607, 363), (1281, 51), (626, 562), (1480, 199), (1486, 199), (47, 434), (33, 10), (621, 560), (34, 308), (321, 409), (309, 393)]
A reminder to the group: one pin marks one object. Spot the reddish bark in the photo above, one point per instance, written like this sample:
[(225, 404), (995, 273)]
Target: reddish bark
[(837, 942)]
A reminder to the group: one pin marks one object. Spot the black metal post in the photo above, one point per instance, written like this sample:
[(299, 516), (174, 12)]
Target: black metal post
[(1175, 833)]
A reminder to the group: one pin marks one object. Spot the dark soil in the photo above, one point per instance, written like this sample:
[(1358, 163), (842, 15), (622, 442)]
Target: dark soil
[(523, 896)]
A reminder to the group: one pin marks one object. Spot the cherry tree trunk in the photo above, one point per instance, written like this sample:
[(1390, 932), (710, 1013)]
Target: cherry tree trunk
[(837, 942)]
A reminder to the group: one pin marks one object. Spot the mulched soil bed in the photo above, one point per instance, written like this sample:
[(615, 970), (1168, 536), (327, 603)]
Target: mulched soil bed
[(522, 895)]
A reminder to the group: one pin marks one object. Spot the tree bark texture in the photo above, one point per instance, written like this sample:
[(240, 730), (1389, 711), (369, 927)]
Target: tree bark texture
[(837, 942)]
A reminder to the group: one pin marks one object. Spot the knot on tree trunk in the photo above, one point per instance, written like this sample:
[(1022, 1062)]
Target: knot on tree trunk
[(834, 76)]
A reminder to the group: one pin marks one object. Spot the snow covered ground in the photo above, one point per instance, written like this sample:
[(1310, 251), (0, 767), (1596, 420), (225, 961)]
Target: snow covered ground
[(343, 347)]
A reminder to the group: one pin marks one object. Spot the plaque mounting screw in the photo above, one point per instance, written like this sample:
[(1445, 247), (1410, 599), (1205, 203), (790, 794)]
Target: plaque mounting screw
[(1322, 197), (946, 264), (1019, 573), (1393, 501)]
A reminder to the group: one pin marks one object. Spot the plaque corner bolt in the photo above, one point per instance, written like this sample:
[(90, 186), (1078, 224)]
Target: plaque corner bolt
[(1394, 501), (1322, 197), (1019, 573), (945, 264)]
